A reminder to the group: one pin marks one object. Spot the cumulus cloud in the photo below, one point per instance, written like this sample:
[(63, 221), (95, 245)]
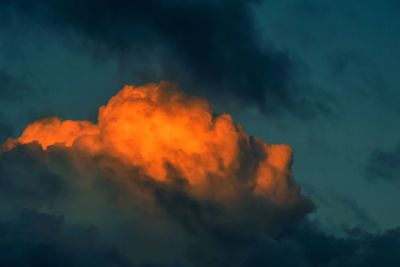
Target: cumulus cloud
[(158, 129), (161, 176)]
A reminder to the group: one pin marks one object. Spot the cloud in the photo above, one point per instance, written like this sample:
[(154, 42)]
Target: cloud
[(40, 239), (77, 193), (159, 129), (161, 177), (358, 248), (213, 47), (383, 165), (144, 220)]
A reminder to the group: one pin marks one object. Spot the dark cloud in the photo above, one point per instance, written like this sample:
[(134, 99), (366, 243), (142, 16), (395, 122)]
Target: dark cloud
[(62, 207), (148, 222), (26, 180), (358, 248), (383, 165), (39, 239), (212, 47)]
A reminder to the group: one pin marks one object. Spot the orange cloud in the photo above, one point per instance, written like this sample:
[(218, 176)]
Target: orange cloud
[(155, 127)]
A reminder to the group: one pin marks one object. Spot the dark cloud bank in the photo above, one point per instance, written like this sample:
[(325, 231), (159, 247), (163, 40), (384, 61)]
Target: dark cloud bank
[(212, 47), (62, 207)]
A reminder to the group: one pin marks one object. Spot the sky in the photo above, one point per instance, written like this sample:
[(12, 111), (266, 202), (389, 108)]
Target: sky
[(319, 76)]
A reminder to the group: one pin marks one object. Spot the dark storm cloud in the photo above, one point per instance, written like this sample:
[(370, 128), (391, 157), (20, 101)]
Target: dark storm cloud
[(26, 179), (148, 221), (359, 248), (213, 47), (383, 165), (39, 239), (64, 208)]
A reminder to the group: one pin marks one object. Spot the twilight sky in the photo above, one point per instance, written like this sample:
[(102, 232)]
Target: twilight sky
[(320, 76)]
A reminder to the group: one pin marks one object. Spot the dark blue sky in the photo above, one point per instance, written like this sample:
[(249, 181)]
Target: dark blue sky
[(321, 76)]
